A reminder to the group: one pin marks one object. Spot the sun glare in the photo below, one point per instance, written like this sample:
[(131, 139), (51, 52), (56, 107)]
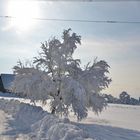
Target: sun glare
[(23, 13)]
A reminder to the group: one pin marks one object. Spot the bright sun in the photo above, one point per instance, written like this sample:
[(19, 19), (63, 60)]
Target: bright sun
[(23, 13)]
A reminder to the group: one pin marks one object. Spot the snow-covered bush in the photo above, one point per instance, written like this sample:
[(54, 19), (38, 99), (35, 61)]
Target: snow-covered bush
[(57, 76)]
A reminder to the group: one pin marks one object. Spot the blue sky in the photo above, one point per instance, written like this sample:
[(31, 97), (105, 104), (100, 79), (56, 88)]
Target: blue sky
[(118, 44)]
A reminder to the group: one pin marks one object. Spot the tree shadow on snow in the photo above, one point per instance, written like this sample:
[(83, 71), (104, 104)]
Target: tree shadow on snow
[(103, 132)]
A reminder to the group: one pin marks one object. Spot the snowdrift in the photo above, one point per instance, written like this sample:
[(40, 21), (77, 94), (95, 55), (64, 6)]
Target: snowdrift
[(32, 123)]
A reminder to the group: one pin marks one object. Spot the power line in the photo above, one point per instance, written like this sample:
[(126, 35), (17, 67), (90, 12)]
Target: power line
[(78, 20)]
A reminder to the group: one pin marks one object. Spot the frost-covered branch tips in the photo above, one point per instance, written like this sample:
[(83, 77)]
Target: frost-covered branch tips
[(56, 76)]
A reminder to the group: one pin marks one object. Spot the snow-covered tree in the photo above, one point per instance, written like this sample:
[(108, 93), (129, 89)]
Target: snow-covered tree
[(124, 98), (56, 76)]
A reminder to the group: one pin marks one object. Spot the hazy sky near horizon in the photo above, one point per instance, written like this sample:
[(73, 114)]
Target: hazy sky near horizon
[(118, 44)]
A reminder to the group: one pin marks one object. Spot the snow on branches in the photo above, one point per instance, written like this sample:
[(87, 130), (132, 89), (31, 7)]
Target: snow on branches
[(57, 76)]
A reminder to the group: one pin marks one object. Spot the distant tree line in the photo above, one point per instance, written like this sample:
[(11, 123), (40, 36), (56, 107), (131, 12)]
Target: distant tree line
[(124, 98)]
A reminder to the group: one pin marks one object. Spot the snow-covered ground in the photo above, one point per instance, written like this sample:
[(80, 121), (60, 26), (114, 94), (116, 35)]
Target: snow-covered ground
[(22, 121), (117, 122)]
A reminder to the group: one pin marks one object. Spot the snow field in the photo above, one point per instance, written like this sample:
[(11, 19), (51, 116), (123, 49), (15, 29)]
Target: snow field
[(116, 122), (32, 123)]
